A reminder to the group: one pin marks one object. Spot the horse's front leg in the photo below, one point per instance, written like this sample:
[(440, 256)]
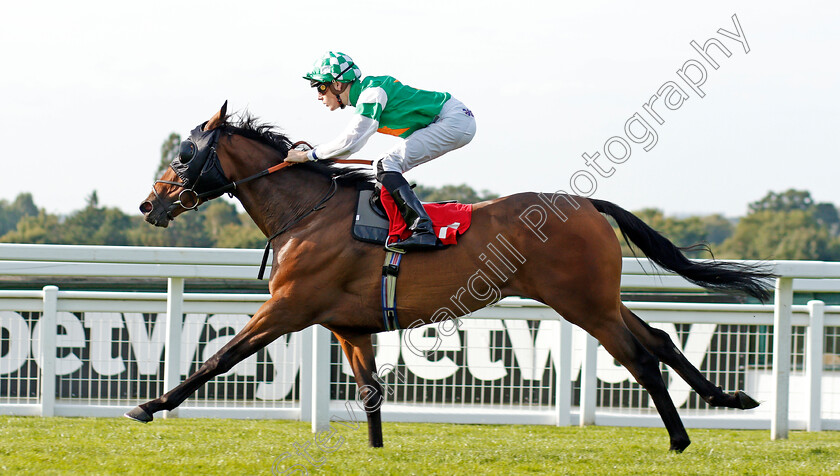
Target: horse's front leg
[(359, 352), (270, 322)]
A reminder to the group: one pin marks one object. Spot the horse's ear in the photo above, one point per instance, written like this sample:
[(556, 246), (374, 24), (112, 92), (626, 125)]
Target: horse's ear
[(218, 119)]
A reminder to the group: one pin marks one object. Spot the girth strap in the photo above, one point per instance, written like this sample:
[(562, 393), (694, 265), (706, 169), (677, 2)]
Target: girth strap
[(390, 271)]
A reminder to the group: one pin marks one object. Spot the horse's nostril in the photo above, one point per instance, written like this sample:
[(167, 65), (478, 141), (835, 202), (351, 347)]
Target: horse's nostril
[(146, 207)]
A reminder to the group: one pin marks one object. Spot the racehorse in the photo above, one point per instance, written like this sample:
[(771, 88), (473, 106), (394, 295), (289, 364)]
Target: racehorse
[(320, 275)]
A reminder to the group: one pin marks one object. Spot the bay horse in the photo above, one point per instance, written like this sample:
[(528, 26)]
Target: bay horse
[(320, 275)]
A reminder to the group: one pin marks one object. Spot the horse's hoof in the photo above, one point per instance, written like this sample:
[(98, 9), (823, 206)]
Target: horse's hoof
[(138, 414), (745, 400), (680, 445)]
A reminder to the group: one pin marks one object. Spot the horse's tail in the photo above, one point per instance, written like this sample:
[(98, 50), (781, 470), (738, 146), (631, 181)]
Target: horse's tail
[(714, 275)]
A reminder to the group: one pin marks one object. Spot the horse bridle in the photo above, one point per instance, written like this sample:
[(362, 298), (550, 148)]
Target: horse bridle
[(196, 164), (200, 154), (180, 201)]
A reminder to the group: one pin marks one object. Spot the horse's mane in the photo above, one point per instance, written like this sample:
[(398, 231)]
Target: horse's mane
[(250, 127)]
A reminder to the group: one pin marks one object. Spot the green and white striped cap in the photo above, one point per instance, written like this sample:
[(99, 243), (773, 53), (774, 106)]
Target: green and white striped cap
[(334, 67)]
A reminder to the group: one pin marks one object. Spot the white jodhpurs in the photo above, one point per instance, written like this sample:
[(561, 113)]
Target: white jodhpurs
[(453, 128)]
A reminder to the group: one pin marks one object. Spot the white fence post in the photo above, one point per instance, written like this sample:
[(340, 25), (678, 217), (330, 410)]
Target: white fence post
[(589, 382), (307, 358), (814, 364), (321, 339), (172, 349), (49, 324), (563, 386), (779, 421)]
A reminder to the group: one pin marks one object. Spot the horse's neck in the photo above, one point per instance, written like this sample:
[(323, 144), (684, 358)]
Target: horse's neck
[(278, 200)]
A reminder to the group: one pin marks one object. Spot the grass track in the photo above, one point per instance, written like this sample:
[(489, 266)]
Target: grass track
[(30, 445)]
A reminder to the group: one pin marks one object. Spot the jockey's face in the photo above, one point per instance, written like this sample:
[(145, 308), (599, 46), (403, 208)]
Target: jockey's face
[(329, 98)]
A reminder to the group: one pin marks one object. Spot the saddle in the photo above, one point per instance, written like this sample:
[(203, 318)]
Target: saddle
[(371, 225)]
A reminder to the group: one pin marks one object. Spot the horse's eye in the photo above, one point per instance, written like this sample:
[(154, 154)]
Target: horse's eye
[(187, 151)]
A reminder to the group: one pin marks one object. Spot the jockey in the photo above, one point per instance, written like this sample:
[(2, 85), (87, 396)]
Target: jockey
[(431, 123)]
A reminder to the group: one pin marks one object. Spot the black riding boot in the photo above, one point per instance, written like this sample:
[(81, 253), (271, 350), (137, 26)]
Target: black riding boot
[(412, 211)]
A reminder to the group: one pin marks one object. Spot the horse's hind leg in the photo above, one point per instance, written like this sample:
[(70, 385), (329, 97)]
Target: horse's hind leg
[(644, 367), (659, 344), (360, 354), (608, 327), (260, 331)]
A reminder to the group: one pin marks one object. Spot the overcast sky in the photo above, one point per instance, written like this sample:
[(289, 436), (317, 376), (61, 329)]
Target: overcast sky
[(91, 90)]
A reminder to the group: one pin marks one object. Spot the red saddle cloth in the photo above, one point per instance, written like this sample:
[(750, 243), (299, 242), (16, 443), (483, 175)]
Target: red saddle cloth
[(449, 219)]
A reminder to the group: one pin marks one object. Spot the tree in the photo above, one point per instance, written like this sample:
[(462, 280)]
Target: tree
[(826, 214), (782, 202), (230, 229), (41, 228), (218, 214), (187, 230), (168, 151), (112, 228), (95, 225), (92, 200), (144, 234), (787, 225), (718, 228), (772, 234), (11, 213), (462, 193), (25, 205), (245, 235), (683, 232), (80, 226)]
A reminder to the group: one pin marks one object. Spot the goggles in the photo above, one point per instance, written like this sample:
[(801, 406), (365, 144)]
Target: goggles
[(322, 87)]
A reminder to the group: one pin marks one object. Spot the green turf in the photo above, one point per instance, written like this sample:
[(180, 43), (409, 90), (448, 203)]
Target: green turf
[(231, 447)]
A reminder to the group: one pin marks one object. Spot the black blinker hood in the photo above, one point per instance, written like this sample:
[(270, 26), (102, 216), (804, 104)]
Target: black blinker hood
[(201, 172)]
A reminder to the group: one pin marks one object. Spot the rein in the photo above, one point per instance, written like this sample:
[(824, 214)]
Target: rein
[(229, 188), (232, 186), (318, 206)]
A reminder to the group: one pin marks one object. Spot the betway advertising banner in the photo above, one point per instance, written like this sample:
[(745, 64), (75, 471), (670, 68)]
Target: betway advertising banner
[(111, 355)]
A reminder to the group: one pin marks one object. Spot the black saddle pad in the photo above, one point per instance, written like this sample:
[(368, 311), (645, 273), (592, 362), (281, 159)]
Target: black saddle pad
[(369, 224)]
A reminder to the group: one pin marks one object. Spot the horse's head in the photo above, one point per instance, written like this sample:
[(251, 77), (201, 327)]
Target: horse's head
[(206, 167), (192, 177)]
